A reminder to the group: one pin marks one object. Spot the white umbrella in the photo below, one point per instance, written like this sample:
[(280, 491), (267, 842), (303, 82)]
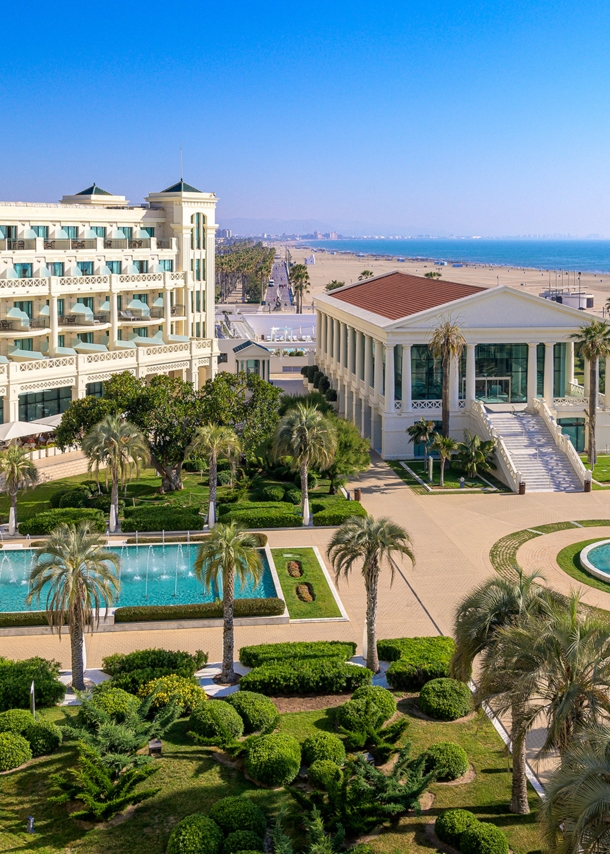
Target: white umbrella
[(50, 420), (17, 429)]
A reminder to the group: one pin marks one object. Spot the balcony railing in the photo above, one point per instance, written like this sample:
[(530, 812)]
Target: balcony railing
[(66, 243), (17, 244), (176, 311), (19, 326), (81, 319), (139, 243), (116, 244)]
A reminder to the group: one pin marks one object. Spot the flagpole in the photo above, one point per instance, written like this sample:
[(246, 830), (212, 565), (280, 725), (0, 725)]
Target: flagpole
[(33, 699)]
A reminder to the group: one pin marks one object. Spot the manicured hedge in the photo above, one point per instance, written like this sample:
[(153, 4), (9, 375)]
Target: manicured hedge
[(272, 493), (132, 670), (297, 678), (445, 699), (323, 745), (415, 660), (182, 690), (273, 760), (195, 834), (164, 518), (116, 702), (14, 751), (44, 737), (23, 618), (16, 721), (448, 758), (451, 824), (242, 840), (257, 712), (322, 773), (338, 513), (48, 520), (270, 607), (483, 838), (237, 812), (282, 517), (381, 697), (264, 653), (216, 721), (16, 678), (355, 715)]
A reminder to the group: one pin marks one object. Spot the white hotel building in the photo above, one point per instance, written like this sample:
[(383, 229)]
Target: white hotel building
[(93, 286), (515, 380)]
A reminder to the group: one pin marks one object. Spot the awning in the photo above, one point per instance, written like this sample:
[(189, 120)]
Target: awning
[(17, 314), (159, 302), (10, 273), (45, 311), (18, 429), (50, 421), (125, 345), (80, 308), (105, 306), (179, 338), (82, 347), (25, 355)]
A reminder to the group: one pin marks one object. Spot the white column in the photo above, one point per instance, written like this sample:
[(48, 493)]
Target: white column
[(114, 321), (532, 374), (167, 312), (378, 378), (470, 374), (359, 355), (320, 339), (389, 378), (349, 351), (368, 365), (54, 336), (342, 328), (328, 333), (570, 362), (454, 391), (548, 374), (188, 297), (407, 404)]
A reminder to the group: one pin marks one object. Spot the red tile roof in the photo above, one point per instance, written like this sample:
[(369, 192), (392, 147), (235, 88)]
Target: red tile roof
[(397, 295)]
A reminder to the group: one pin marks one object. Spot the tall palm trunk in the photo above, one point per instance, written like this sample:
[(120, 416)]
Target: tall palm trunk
[(519, 803), (14, 489), (304, 492), (592, 450), (372, 659), (77, 639), (442, 472), (213, 482), (228, 640), (114, 498), (446, 362)]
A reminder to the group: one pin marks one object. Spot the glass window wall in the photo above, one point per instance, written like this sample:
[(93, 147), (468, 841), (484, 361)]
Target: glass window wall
[(426, 374), (501, 373)]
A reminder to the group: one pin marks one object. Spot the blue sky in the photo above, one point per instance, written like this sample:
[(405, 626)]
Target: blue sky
[(443, 117)]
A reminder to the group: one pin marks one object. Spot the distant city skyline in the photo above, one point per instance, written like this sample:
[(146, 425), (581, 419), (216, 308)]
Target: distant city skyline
[(479, 118)]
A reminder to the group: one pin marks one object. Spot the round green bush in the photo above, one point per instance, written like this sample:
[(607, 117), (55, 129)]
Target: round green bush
[(383, 699), (450, 825), (16, 720), (195, 834), (352, 715), (242, 840), (322, 772), (292, 496), (238, 813), (449, 757), (14, 751), (273, 760), (182, 690), (77, 497), (445, 699), (44, 737), (323, 745), (115, 702), (272, 493), (216, 720), (225, 478), (483, 838), (258, 712)]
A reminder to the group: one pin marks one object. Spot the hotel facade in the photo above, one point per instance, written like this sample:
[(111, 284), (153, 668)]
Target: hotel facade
[(514, 381), (93, 286)]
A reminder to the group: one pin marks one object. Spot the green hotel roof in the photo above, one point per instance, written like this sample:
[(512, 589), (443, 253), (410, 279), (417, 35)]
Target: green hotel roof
[(181, 187), (94, 190)]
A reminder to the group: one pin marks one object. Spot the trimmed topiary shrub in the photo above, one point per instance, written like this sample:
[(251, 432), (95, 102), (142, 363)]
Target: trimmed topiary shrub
[(322, 773), (448, 758), (323, 745), (450, 825), (269, 607), (263, 653), (292, 496), (44, 737), (257, 712), (445, 699), (183, 691), (132, 670), (238, 813), (242, 840), (483, 838), (78, 496), (216, 722), (272, 493), (16, 677), (352, 715), (163, 518), (16, 721), (115, 702), (382, 698), (264, 518), (416, 661), (298, 678), (273, 760), (48, 520), (195, 834), (14, 751), (338, 512), (331, 395)]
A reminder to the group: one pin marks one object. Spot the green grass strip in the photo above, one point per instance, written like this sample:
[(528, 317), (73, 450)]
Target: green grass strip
[(324, 604), (568, 559)]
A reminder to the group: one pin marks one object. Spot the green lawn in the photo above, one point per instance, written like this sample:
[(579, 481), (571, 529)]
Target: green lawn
[(190, 781), (601, 470), (452, 477), (324, 604), (569, 560)]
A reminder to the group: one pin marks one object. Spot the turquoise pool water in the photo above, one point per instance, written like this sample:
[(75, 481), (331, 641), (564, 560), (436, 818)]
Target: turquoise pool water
[(599, 556), (149, 575)]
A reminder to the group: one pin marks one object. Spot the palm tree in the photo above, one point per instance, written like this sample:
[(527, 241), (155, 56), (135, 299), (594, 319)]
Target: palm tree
[(19, 472), (299, 279), (575, 813), (331, 286), (421, 433), (474, 454), (78, 576), (228, 551), (365, 274), (444, 447), (214, 441), (372, 542), (496, 603), (119, 446), (594, 340), (310, 439), (446, 344)]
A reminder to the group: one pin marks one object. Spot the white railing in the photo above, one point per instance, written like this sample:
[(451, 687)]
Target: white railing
[(23, 284), (397, 405), (462, 404), (488, 431), (576, 390), (427, 405), (561, 440), (44, 364), (577, 402)]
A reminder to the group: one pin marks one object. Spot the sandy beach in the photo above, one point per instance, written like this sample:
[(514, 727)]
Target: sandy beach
[(347, 267)]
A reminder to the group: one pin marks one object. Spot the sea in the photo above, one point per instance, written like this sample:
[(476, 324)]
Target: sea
[(591, 256)]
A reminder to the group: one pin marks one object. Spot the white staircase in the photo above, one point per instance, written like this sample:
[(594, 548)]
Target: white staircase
[(532, 449)]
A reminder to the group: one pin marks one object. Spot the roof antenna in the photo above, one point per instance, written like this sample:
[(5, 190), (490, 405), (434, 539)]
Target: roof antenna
[(181, 164)]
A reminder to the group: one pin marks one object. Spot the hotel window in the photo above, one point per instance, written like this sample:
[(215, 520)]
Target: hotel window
[(99, 230), (398, 371), (85, 337), (2, 232), (197, 330), (41, 231), (114, 267), (94, 389), (127, 231), (88, 301), (197, 231), (142, 297), (196, 268), (197, 300), (119, 302), (141, 266), (42, 404), (142, 331), (148, 229), (86, 267), (10, 232), (71, 231), (61, 340), (56, 268), (24, 271), (166, 265), (26, 306), (24, 344), (426, 373), (60, 307)]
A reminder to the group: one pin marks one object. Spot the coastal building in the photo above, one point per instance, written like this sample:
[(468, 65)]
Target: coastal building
[(514, 381), (93, 286)]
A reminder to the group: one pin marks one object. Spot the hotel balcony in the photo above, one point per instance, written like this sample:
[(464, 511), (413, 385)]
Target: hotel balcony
[(60, 286)]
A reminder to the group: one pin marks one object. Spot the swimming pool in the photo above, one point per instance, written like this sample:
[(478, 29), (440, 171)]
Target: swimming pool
[(149, 575), (595, 559)]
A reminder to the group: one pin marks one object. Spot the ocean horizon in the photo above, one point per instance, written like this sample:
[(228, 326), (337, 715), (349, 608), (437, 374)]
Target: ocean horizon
[(591, 256)]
